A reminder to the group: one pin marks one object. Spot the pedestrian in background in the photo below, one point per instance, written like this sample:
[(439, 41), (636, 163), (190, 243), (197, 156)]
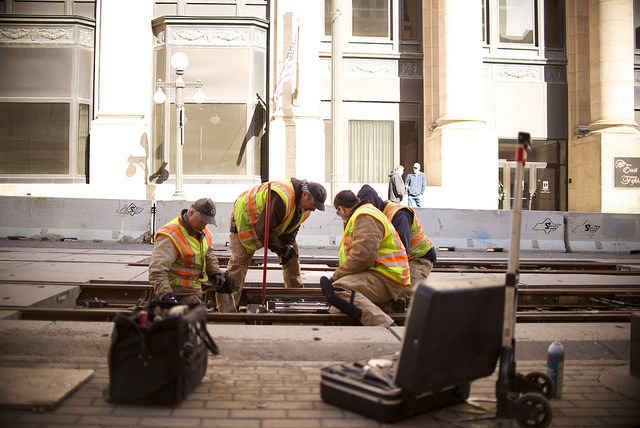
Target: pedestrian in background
[(182, 262), (291, 202), (396, 184), (416, 184)]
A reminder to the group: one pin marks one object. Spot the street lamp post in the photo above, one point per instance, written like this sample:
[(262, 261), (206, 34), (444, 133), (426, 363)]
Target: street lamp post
[(179, 61)]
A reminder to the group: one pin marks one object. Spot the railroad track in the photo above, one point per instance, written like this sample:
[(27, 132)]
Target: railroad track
[(443, 264), (583, 304), (109, 314)]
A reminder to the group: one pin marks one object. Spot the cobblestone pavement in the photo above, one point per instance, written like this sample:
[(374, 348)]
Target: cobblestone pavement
[(264, 394)]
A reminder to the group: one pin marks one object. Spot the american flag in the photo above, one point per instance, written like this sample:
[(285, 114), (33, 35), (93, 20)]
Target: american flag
[(289, 67)]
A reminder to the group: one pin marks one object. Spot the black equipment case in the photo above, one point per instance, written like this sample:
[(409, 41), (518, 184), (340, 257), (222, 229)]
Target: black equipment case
[(452, 337), (158, 359)]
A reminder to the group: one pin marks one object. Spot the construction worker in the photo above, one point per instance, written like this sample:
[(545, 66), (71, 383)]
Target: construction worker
[(373, 265), (182, 260), (422, 254), (291, 202)]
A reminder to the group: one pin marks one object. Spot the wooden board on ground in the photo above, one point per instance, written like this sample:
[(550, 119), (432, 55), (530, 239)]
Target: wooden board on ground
[(40, 389)]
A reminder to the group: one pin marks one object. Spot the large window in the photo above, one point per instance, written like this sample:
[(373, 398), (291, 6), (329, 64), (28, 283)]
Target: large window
[(517, 21), (216, 140), (370, 151), (372, 18), (34, 138)]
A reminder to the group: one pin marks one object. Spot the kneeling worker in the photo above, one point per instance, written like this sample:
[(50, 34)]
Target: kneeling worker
[(373, 265), (182, 260), (422, 254)]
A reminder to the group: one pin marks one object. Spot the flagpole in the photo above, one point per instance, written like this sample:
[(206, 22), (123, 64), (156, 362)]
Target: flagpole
[(264, 147), (336, 97), (294, 95)]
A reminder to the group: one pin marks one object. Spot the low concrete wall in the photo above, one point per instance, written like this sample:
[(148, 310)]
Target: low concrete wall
[(600, 232), (83, 219), (491, 229), (471, 230)]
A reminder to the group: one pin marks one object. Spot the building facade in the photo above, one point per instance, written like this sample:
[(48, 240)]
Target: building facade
[(373, 84)]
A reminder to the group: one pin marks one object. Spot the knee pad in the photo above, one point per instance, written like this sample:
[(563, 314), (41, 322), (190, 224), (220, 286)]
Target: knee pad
[(345, 306)]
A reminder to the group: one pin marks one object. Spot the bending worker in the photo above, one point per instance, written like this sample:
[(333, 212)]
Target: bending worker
[(422, 255), (182, 260), (291, 202), (373, 265)]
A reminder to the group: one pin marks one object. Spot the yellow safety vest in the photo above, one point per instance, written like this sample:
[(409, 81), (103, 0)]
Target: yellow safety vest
[(420, 243), (250, 204), (392, 260), (190, 269)]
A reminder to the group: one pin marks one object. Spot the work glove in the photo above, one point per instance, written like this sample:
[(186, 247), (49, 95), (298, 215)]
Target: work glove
[(224, 284), (286, 253), (170, 298)]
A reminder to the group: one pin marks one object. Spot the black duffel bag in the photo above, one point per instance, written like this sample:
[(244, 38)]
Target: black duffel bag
[(158, 354)]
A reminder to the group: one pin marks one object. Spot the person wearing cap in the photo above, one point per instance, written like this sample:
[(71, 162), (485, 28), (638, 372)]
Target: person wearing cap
[(182, 260), (373, 266), (290, 203), (416, 184), (421, 252)]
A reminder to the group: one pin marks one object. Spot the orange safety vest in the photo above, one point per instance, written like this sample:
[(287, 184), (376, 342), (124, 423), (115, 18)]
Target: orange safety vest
[(250, 204), (392, 259), (420, 243), (190, 269)]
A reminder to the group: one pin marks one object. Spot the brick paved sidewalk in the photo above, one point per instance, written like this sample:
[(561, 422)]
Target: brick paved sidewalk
[(264, 394)]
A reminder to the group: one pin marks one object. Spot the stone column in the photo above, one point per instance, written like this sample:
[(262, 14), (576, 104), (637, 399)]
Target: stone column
[(461, 154), (611, 63), (612, 133)]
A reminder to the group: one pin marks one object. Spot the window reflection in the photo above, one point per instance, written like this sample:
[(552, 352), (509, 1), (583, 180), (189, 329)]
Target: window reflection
[(213, 143), (370, 18), (517, 21)]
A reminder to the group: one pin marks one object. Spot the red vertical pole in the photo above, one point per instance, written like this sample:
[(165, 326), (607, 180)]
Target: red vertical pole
[(266, 243)]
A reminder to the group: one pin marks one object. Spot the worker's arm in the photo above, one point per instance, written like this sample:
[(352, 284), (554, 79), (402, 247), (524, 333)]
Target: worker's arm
[(162, 257)]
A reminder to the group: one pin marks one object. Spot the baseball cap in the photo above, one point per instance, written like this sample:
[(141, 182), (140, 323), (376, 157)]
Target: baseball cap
[(207, 210), (319, 194), (416, 165)]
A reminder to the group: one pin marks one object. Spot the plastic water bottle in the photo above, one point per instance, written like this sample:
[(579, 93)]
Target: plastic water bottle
[(555, 366)]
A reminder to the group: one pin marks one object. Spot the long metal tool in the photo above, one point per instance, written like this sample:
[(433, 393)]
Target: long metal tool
[(524, 145), (266, 244)]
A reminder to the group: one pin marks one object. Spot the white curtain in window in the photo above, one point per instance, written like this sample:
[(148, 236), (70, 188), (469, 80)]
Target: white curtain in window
[(370, 151)]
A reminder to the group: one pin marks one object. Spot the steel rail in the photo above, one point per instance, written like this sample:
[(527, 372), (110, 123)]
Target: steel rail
[(109, 314)]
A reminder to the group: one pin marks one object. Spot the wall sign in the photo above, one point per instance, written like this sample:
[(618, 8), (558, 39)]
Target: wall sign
[(626, 172)]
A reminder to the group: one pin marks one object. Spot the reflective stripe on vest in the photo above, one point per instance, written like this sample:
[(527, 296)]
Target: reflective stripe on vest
[(420, 243), (250, 204), (392, 260), (190, 269)]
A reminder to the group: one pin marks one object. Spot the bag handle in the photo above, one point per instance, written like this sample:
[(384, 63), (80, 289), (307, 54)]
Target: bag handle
[(201, 331)]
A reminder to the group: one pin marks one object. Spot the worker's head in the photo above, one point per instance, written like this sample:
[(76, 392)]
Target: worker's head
[(416, 167), (201, 213), (344, 203), (313, 196)]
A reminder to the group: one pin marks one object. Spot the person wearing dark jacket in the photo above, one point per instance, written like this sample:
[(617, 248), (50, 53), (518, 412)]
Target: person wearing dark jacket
[(373, 268), (396, 184), (422, 254), (290, 203)]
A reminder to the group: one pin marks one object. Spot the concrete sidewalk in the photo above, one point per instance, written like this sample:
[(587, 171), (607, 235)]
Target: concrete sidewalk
[(269, 376)]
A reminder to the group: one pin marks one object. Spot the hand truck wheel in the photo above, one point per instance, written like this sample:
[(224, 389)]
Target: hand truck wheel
[(546, 384), (541, 412)]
